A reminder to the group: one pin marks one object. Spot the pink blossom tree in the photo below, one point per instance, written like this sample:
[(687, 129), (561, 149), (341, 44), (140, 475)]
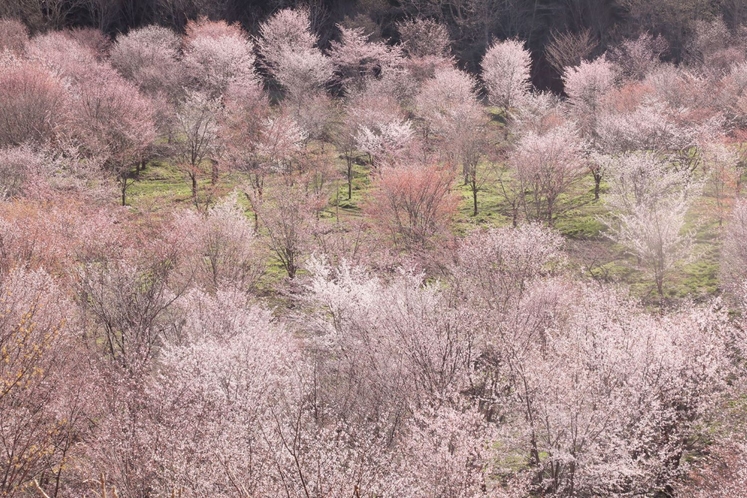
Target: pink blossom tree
[(286, 214), (413, 353), (42, 402), (446, 104), (724, 182), (356, 59), (149, 57), (22, 170), (421, 38), (713, 48), (114, 123), (414, 205), (733, 255), (198, 141), (386, 143), (454, 120), (496, 267), (732, 98), (220, 247), (217, 54), (31, 102), (545, 166), (225, 387), (576, 429), (375, 124), (64, 56), (94, 39), (290, 53), (635, 58), (587, 432)]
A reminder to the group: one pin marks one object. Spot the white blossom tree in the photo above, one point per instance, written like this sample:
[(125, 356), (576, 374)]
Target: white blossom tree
[(649, 200), (506, 73), (290, 53)]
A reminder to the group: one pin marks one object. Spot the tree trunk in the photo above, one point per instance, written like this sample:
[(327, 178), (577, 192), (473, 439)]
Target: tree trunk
[(214, 173), (124, 191), (597, 181), (474, 198), (350, 178)]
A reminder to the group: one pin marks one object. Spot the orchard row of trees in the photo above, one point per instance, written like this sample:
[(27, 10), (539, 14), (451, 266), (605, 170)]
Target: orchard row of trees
[(138, 350)]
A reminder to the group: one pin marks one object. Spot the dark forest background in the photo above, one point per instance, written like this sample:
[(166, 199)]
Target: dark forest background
[(591, 25)]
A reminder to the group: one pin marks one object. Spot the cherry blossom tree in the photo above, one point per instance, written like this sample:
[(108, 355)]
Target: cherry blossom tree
[(414, 204), (576, 429), (111, 123), (496, 267), (31, 103), (586, 85), (458, 441), (22, 171), (149, 57), (114, 123), (220, 247), (386, 143), (356, 59), (721, 162), (721, 475), (411, 346), (216, 54), (734, 255), (545, 167), (505, 73), (654, 126), (286, 215), (448, 106), (245, 125), (635, 58), (421, 38), (649, 200), (198, 141), (377, 125), (540, 112), (279, 145), (225, 387), (49, 233), (733, 95), (128, 302), (290, 53), (713, 48), (587, 433), (64, 56), (679, 88), (93, 39), (40, 411)]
